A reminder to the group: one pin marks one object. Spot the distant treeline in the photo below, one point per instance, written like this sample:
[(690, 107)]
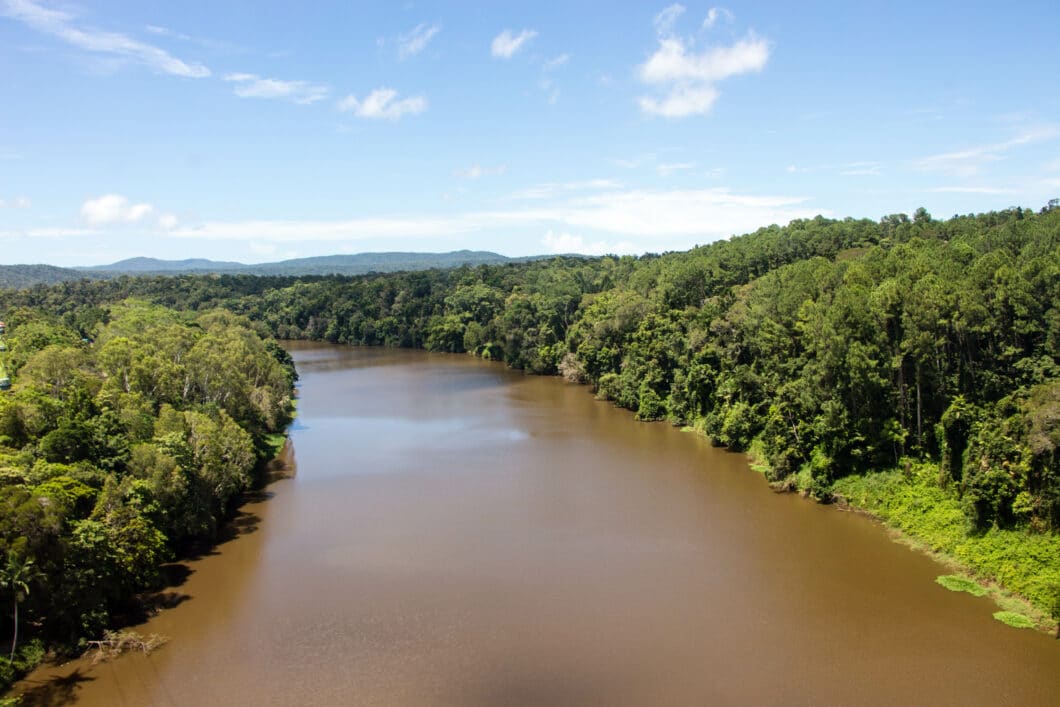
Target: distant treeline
[(23, 276)]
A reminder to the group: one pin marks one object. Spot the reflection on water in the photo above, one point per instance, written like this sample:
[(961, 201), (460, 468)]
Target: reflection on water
[(457, 534)]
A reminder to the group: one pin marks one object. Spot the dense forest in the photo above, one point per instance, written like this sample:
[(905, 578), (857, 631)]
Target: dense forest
[(118, 449), (906, 365), (831, 347)]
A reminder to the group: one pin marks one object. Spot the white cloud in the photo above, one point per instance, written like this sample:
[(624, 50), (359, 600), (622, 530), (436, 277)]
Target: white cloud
[(674, 62), (506, 44), (383, 103), (653, 219), (688, 78), (116, 210), (254, 86), (556, 62), (565, 243), (972, 161), (688, 212), (714, 14), (681, 102), (666, 19), (476, 171), (60, 24), (113, 208), (416, 40), (18, 202)]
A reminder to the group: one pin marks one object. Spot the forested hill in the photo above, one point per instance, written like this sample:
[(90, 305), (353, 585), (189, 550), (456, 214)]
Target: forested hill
[(829, 348), (354, 264), (23, 276)]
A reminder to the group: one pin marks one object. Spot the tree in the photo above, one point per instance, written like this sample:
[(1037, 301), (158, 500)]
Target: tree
[(15, 577)]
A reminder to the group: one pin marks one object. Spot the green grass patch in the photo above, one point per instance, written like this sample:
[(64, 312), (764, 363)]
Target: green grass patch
[(956, 583), (1011, 618)]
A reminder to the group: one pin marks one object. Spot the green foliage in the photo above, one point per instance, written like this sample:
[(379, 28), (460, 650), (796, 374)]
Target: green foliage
[(1011, 618), (1053, 605), (115, 453), (956, 583)]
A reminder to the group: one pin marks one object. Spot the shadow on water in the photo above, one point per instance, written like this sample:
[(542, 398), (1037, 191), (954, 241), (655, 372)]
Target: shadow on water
[(174, 574), (277, 469), (146, 606), (257, 496), (240, 524), (165, 600), (54, 692)]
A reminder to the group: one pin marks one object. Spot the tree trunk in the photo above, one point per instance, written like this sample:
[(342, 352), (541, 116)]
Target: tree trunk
[(919, 432), (14, 639), (904, 404)]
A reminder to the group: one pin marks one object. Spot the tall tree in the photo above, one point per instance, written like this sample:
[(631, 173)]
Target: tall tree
[(15, 578)]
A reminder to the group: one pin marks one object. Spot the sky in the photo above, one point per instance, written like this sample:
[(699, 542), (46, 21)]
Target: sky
[(258, 131)]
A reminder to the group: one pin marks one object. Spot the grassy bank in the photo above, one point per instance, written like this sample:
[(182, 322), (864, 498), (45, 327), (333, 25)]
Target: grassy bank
[(1020, 568)]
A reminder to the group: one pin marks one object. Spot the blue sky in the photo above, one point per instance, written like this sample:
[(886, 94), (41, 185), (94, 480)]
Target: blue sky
[(255, 131)]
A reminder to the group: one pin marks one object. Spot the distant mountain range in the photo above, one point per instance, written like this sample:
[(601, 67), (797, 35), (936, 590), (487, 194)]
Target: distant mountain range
[(20, 276)]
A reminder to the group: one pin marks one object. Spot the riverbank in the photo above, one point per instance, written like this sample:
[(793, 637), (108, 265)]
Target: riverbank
[(33, 654), (1018, 568)]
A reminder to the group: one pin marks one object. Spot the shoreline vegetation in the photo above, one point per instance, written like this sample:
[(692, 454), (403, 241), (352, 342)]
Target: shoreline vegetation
[(1015, 568), (906, 365), (132, 434)]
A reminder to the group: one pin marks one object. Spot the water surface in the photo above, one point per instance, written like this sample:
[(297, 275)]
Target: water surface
[(452, 533)]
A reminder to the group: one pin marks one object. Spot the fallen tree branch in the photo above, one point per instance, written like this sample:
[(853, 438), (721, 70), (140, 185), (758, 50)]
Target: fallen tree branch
[(114, 643)]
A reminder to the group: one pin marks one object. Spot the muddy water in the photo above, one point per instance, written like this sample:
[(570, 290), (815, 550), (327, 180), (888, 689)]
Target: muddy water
[(455, 534)]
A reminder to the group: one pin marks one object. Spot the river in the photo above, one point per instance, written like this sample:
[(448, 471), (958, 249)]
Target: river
[(452, 533)]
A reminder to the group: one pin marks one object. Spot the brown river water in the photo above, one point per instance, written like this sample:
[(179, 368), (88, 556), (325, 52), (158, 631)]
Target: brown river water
[(453, 533)]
